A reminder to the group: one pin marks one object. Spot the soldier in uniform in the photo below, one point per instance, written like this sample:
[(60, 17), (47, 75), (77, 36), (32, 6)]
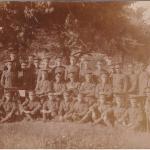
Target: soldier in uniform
[(15, 62), (30, 108), (88, 88), (65, 106), (100, 112), (134, 114), (44, 85), (147, 108), (104, 85), (132, 80), (78, 110), (119, 81), (119, 110), (143, 80), (99, 69), (9, 77), (73, 84), (50, 107), (59, 85), (8, 108), (59, 67), (44, 66), (25, 77), (73, 67)]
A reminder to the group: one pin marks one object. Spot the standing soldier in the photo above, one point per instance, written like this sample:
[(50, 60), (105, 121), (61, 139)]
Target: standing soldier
[(50, 107), (30, 109), (8, 108), (88, 88), (99, 69), (44, 85), (59, 67), (73, 67), (9, 77), (104, 86), (143, 80), (73, 85), (119, 81), (133, 80), (134, 114), (25, 78), (15, 62), (59, 85)]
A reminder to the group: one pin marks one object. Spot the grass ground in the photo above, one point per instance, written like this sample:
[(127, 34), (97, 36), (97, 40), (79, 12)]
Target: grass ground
[(68, 135)]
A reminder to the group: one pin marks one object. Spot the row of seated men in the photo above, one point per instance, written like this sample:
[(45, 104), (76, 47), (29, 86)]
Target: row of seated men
[(120, 111)]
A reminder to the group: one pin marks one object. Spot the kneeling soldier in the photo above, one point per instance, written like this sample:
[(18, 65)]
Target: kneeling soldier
[(50, 107), (134, 114), (79, 109), (8, 108), (105, 111), (31, 107), (119, 110), (65, 106)]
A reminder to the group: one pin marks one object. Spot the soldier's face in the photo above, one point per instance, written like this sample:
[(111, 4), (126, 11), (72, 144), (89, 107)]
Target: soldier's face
[(50, 97), (99, 66), (9, 65), (36, 64), (23, 66), (8, 96), (117, 69), (71, 76), (58, 77), (104, 78), (88, 77), (72, 61), (148, 94), (80, 98), (58, 62), (102, 99), (31, 97), (30, 58), (118, 101), (66, 97), (12, 57), (133, 103)]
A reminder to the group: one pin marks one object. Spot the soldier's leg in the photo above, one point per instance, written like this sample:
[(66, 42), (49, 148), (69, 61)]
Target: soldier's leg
[(87, 117)]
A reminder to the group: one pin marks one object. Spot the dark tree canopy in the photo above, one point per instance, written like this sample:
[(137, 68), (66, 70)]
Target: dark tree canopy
[(70, 28)]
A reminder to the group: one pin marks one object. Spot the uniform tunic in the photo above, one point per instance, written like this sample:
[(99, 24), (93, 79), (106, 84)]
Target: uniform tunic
[(119, 82), (9, 79)]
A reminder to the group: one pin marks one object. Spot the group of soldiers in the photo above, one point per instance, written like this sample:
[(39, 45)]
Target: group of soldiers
[(31, 90)]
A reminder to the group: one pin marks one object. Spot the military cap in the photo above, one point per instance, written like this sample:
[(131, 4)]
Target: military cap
[(88, 72), (67, 92), (102, 93), (71, 70), (31, 92), (134, 98), (99, 63), (8, 92), (8, 60), (59, 70), (36, 59), (118, 94), (24, 62), (12, 52)]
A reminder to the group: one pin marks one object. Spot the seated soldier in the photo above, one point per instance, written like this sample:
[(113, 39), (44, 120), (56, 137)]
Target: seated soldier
[(105, 111), (44, 85), (88, 88), (119, 110), (134, 114), (79, 109), (8, 108), (50, 107), (65, 106), (72, 85), (30, 109)]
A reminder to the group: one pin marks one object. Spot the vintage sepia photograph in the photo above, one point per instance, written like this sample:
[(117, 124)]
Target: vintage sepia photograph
[(74, 75)]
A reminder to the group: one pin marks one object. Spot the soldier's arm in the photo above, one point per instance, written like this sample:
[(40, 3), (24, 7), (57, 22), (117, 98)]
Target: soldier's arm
[(3, 79), (125, 86), (134, 84), (9, 115), (36, 109)]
